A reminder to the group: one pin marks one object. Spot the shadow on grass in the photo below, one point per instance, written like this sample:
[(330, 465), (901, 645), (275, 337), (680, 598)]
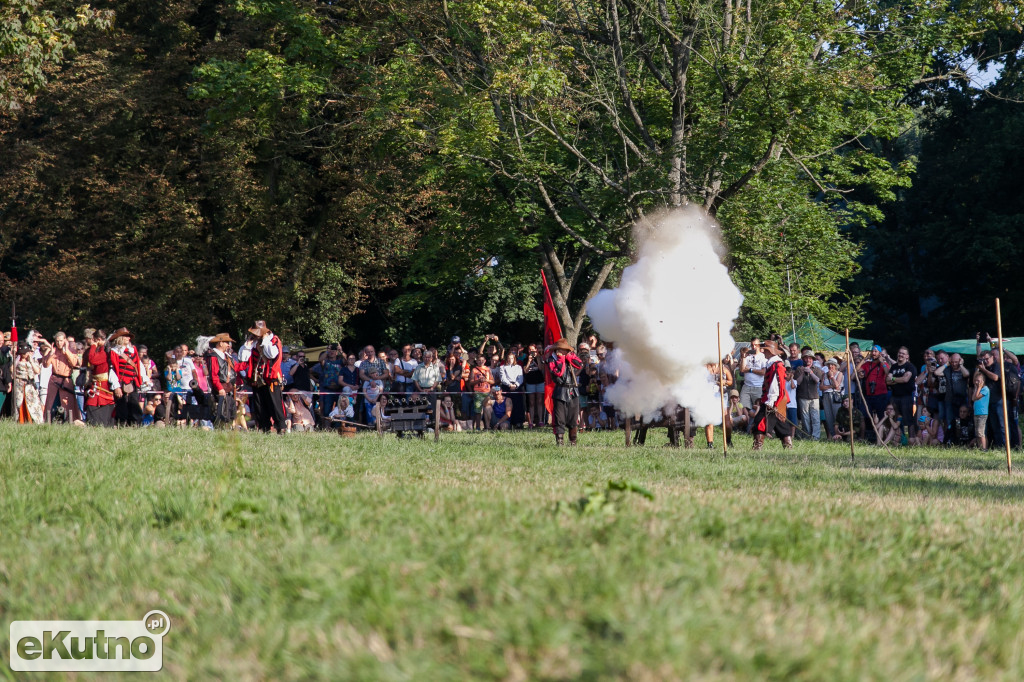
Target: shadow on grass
[(943, 487)]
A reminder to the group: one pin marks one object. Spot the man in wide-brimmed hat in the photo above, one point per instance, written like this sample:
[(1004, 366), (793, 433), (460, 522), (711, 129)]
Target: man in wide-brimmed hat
[(125, 378), (262, 352), (222, 380), (564, 365), (771, 416)]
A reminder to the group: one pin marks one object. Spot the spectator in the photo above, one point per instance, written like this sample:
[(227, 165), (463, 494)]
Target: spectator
[(989, 367), (928, 430), (510, 378), (379, 410), (498, 411), (981, 403), (62, 361), (952, 385), (404, 367), (808, 381), (533, 375), (27, 407), (793, 406), (927, 385), (288, 361), (447, 419), (737, 417), (596, 419), (900, 379), (349, 377), (455, 347), (889, 427), (326, 373), (481, 380), (795, 360), (342, 409), (832, 388), (427, 375), (843, 422), (872, 372), (298, 373), (848, 368), (753, 365), (961, 430)]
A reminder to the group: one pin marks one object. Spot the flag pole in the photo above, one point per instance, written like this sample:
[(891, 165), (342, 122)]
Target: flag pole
[(1002, 388), (721, 390), (849, 391)]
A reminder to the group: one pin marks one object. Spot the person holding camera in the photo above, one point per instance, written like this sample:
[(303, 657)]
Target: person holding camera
[(262, 353), (62, 361), (872, 372), (753, 366), (900, 379), (533, 375)]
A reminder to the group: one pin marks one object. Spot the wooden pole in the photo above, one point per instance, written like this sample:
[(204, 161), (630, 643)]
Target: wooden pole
[(849, 391), (721, 390), (629, 430), (1002, 388), (437, 418), (380, 421)]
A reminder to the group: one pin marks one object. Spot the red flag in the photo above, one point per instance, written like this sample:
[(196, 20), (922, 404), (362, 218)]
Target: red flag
[(552, 332), (14, 327)]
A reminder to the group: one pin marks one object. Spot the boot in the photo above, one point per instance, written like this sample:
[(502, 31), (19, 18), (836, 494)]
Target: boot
[(758, 440), (572, 436), (559, 439), (787, 443)]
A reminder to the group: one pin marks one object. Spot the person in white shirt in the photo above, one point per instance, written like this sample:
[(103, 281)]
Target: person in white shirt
[(403, 370), (753, 365)]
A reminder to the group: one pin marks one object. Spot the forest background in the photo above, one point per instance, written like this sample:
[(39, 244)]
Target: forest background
[(387, 171)]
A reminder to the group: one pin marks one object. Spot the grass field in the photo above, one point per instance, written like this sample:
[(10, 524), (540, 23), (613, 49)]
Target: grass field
[(311, 556)]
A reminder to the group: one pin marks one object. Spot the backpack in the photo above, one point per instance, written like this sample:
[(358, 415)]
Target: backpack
[(1012, 383)]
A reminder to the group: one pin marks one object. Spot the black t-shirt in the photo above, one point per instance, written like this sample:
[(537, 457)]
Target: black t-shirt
[(898, 372), (961, 431), (300, 380)]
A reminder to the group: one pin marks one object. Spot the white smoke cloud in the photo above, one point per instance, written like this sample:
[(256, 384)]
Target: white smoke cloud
[(663, 317)]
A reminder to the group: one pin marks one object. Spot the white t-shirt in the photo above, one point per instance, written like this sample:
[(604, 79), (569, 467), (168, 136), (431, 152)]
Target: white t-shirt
[(407, 365), (757, 361)]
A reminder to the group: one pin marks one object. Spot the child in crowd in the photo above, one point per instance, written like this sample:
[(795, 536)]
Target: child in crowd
[(981, 398)]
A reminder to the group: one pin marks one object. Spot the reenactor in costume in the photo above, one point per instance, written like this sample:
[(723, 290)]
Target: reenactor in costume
[(125, 378), (99, 398), (262, 353), (564, 366), (222, 380), (771, 416)]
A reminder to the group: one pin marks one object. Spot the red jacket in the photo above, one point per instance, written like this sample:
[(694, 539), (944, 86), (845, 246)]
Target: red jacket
[(775, 375), (271, 368), (97, 359)]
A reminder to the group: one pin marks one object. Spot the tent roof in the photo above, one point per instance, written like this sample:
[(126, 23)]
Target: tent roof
[(818, 336), (1014, 344)]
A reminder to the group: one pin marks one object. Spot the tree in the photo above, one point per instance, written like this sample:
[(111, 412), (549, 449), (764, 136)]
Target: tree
[(34, 40)]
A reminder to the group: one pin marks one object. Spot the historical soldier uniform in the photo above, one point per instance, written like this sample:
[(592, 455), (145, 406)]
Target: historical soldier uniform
[(222, 380), (262, 353), (125, 378), (99, 398), (771, 416), (564, 366)]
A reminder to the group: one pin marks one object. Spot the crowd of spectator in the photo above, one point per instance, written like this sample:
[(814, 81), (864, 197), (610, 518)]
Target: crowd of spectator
[(493, 386)]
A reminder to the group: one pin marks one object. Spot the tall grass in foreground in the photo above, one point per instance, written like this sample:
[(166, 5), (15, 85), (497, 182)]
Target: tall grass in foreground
[(313, 556)]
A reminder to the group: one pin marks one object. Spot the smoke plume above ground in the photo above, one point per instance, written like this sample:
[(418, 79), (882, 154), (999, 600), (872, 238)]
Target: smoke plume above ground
[(662, 318)]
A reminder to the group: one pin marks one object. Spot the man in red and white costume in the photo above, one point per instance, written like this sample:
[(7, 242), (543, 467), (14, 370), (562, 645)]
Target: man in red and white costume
[(262, 353), (99, 399), (125, 378), (771, 415)]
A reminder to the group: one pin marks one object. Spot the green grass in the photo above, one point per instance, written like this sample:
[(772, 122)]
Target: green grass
[(311, 556)]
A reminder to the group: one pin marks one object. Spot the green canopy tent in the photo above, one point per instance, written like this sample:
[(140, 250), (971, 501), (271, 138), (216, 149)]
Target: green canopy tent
[(816, 335), (1014, 344)]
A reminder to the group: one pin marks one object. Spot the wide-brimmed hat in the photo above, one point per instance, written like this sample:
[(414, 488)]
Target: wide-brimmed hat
[(259, 330), (770, 346), (24, 347), (222, 337), (123, 331), (807, 353), (561, 344)]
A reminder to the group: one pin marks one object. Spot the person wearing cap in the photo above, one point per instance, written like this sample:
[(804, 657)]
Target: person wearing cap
[(771, 416), (27, 407), (872, 372), (808, 380), (564, 366), (287, 362), (736, 417), (262, 354), (832, 385), (222, 380), (125, 378)]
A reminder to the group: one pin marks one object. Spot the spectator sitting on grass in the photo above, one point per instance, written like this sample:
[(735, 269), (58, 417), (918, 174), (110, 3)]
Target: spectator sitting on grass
[(379, 411), (498, 411), (342, 410), (843, 422), (889, 427), (447, 419), (961, 430), (928, 430)]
